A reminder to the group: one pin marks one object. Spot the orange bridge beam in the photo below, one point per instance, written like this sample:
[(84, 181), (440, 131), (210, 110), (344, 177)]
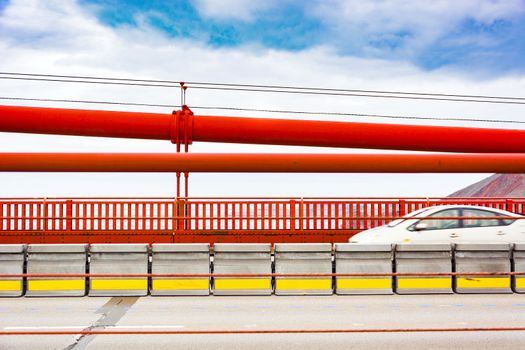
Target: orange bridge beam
[(263, 163), (182, 125)]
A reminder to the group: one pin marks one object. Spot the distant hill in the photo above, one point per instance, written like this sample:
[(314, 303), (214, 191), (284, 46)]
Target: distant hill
[(498, 185)]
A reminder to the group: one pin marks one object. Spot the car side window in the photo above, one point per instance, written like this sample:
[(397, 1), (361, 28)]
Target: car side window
[(443, 224), (477, 213)]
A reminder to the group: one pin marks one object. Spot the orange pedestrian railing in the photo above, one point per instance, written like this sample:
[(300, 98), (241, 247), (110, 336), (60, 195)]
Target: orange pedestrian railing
[(112, 220)]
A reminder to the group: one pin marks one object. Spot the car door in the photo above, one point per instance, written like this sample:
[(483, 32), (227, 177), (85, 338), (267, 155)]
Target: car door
[(442, 230), (477, 229)]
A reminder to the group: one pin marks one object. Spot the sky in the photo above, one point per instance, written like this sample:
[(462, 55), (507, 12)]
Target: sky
[(443, 46)]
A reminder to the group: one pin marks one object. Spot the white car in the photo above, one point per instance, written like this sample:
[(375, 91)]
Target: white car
[(475, 229)]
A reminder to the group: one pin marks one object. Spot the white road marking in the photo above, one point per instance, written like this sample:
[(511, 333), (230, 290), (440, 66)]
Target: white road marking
[(82, 327), (147, 326), (42, 327)]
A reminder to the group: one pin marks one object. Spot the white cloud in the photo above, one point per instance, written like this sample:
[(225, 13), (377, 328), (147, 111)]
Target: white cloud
[(419, 23), (61, 37)]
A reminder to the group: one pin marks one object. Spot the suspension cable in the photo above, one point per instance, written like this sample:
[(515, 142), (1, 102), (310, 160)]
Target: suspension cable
[(261, 110), (266, 88)]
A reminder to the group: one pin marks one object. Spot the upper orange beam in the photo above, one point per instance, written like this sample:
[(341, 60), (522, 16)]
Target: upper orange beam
[(259, 130)]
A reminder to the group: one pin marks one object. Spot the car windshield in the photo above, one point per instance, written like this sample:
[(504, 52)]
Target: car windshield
[(408, 216)]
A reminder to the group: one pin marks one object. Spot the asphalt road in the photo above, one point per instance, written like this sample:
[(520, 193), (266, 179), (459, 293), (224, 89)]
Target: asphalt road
[(334, 312)]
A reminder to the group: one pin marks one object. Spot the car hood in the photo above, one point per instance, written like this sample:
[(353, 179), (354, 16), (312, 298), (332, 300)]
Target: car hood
[(367, 235)]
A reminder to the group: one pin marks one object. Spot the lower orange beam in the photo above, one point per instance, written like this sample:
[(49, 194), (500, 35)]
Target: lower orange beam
[(263, 163)]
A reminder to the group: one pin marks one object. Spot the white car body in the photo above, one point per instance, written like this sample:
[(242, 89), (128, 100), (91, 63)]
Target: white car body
[(410, 230)]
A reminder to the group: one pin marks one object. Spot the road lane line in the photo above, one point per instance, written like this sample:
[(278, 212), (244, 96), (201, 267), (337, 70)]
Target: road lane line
[(20, 328)]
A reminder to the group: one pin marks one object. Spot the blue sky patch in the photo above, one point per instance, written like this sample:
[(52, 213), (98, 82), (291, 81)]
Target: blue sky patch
[(494, 46), (3, 4)]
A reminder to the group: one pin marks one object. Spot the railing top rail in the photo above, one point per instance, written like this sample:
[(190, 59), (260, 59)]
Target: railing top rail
[(487, 199)]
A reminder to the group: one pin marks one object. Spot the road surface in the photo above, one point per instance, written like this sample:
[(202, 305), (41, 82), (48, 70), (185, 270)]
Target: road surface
[(274, 312)]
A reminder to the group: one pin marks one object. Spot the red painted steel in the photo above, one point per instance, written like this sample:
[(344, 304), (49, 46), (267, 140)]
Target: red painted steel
[(182, 125), (209, 220), (263, 163)]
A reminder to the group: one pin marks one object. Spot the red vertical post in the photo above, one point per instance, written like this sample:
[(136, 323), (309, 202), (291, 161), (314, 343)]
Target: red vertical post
[(241, 216), (365, 214), (51, 215), (315, 206), (15, 216), (308, 208), (509, 204), (266, 216), (204, 216), (128, 217), (401, 207), (249, 207), (277, 215), (234, 216), (69, 215), (323, 207), (44, 215), (180, 214), (174, 219), (270, 216), (302, 215), (120, 217), (153, 214), (143, 216), (380, 213), (195, 218), (345, 221), (292, 215), (23, 216), (99, 216), (218, 215), (330, 216), (166, 215), (187, 215), (107, 217)]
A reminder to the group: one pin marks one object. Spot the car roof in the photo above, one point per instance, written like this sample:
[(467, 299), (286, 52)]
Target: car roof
[(438, 207)]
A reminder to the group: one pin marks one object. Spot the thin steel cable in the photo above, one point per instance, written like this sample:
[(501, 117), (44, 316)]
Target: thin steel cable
[(356, 95), (88, 102), (280, 111), (90, 82), (360, 115), (296, 92), (288, 87)]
